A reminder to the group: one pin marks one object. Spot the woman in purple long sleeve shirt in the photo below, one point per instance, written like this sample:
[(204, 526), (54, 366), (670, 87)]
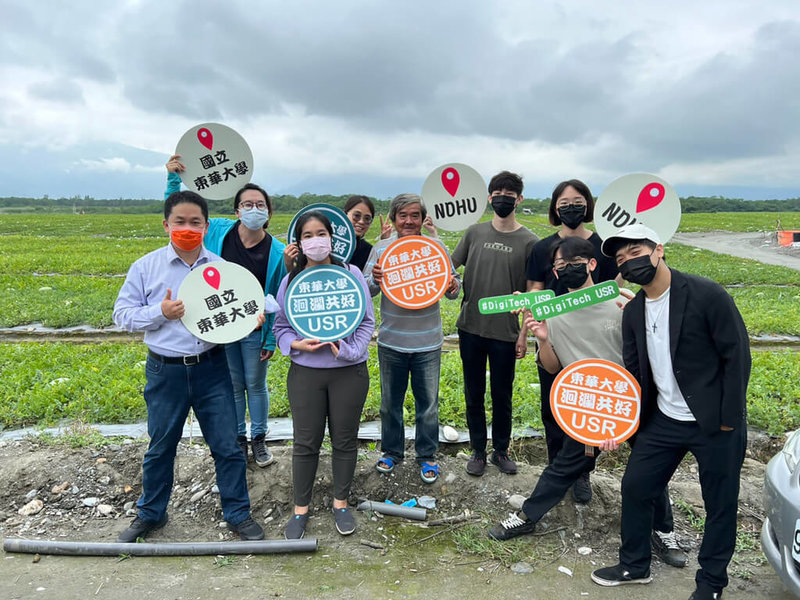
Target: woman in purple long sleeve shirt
[(326, 381)]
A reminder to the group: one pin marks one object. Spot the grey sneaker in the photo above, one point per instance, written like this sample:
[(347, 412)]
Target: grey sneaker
[(476, 465), (502, 462), (248, 530), (139, 528), (261, 452), (345, 522), (667, 549), (296, 527)]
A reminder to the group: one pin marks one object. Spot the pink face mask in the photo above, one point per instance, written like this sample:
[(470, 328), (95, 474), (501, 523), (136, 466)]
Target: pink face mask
[(316, 248)]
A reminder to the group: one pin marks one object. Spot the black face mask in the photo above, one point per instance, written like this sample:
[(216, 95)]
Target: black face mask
[(639, 270), (503, 205), (572, 216), (573, 276)]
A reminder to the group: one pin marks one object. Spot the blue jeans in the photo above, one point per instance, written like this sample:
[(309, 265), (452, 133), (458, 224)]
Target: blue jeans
[(249, 374), (395, 368), (170, 391)]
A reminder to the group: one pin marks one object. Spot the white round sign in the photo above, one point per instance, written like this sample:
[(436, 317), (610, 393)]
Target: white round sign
[(638, 198), (455, 196), (222, 302), (218, 161)]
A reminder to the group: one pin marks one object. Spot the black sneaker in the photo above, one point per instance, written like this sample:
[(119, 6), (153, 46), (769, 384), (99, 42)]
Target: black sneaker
[(476, 465), (666, 547), (139, 528), (703, 593), (242, 441), (515, 525), (617, 575), (505, 464), (248, 530), (345, 522), (261, 453), (296, 527), (582, 490)]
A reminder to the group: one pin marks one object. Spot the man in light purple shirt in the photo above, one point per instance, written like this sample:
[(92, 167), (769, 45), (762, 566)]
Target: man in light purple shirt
[(182, 372)]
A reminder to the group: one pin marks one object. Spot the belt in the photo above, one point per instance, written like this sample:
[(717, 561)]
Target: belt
[(190, 360)]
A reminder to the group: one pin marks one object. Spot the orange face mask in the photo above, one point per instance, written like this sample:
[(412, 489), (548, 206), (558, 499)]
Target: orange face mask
[(186, 239)]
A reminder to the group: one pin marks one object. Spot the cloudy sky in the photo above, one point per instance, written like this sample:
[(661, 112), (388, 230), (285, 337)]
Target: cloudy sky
[(369, 97)]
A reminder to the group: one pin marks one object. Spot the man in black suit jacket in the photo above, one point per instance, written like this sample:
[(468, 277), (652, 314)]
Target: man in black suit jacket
[(685, 342)]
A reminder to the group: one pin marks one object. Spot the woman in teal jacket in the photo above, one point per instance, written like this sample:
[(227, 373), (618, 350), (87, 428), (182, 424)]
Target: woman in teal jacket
[(246, 242)]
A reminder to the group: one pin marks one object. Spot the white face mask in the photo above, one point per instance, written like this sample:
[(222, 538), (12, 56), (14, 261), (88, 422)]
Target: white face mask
[(317, 248), (254, 218)]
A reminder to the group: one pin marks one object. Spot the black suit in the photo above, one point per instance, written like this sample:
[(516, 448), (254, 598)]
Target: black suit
[(710, 353), (709, 347)]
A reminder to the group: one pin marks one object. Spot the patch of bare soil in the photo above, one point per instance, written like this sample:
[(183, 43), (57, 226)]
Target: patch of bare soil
[(89, 493), (757, 245)]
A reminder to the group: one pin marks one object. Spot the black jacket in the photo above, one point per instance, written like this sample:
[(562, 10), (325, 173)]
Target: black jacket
[(709, 346)]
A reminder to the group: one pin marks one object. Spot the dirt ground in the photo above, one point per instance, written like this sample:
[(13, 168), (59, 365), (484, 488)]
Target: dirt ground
[(755, 245), (87, 494)]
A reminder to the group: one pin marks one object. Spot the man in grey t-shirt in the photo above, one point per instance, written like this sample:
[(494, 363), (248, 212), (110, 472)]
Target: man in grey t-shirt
[(591, 332), (495, 256)]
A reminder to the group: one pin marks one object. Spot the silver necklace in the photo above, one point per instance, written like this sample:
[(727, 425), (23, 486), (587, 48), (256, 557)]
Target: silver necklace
[(658, 316)]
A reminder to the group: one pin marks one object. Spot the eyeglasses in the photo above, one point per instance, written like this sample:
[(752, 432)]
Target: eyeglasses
[(560, 263), (356, 216), (251, 206), (564, 203)]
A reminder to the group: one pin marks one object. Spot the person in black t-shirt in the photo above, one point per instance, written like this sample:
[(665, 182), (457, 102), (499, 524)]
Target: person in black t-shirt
[(571, 206)]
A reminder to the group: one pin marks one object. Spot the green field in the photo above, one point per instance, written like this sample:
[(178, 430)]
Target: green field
[(68, 271), (46, 382)]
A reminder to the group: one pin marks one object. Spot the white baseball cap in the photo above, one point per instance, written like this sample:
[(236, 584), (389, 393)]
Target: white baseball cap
[(637, 231)]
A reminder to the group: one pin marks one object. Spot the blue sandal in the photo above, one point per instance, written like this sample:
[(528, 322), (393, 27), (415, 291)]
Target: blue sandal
[(427, 467), (386, 464)]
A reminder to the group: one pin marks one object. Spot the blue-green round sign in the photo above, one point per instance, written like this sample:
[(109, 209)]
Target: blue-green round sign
[(325, 303), (343, 243)]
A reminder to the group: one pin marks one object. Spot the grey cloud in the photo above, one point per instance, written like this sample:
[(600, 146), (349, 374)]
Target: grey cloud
[(422, 68), (61, 39), (445, 68), (58, 90), (730, 107)]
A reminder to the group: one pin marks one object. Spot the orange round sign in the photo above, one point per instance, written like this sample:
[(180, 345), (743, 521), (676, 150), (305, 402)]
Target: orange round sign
[(416, 272), (595, 400)]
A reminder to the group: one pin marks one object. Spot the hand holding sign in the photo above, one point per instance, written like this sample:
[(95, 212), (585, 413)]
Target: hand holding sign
[(174, 165), (537, 328), (308, 345)]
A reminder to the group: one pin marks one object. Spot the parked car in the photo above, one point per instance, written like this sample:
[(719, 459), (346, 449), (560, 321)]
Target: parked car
[(780, 536)]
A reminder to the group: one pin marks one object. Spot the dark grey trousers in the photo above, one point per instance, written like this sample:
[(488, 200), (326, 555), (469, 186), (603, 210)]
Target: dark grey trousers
[(317, 395)]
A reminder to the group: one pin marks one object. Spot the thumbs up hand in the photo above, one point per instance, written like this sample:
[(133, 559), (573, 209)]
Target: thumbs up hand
[(172, 309)]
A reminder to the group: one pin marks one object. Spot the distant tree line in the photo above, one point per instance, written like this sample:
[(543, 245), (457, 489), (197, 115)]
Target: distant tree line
[(291, 204)]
